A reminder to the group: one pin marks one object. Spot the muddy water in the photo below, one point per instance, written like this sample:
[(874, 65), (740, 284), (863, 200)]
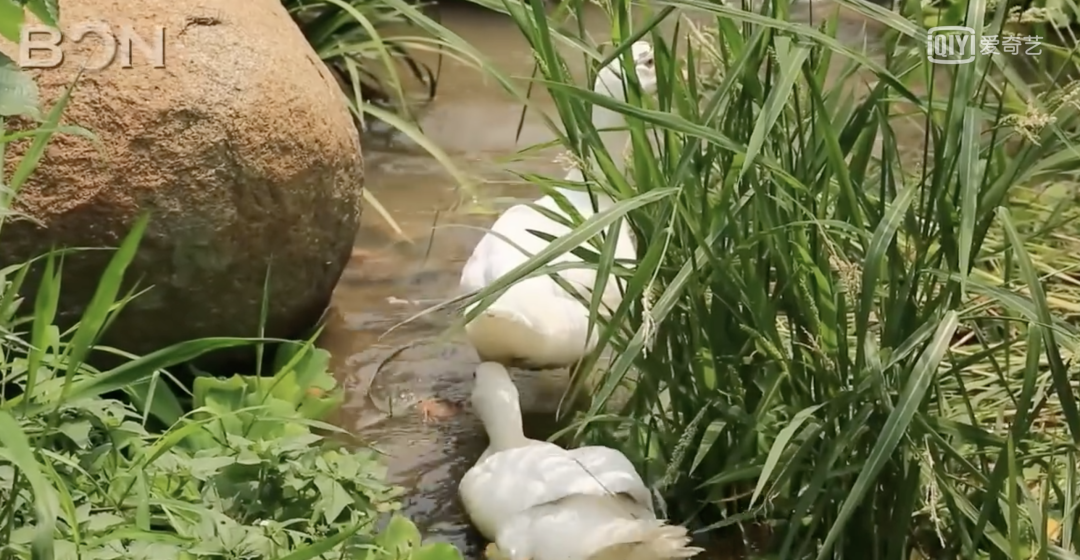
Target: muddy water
[(395, 275)]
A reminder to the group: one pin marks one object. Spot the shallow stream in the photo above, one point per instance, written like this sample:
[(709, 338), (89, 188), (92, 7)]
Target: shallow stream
[(390, 278)]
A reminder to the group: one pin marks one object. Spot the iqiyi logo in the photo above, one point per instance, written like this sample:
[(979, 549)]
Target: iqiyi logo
[(954, 44), (950, 44)]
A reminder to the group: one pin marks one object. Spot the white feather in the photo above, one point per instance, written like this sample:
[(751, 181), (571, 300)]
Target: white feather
[(538, 501)]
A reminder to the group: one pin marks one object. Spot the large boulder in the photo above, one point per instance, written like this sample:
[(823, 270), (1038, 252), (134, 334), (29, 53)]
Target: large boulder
[(241, 147)]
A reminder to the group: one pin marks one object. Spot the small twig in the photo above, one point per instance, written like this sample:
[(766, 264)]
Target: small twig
[(193, 21)]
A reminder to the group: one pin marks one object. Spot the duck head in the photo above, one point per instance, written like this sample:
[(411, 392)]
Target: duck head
[(609, 81)]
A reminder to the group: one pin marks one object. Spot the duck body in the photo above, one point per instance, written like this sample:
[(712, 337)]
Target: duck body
[(588, 527), (535, 322), (539, 473), (538, 501)]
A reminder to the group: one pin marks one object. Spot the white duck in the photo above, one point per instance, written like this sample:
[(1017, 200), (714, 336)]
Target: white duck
[(535, 323), (538, 501)]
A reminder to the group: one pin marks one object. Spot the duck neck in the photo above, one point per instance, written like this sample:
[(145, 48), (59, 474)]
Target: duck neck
[(614, 141), (505, 429), (580, 199)]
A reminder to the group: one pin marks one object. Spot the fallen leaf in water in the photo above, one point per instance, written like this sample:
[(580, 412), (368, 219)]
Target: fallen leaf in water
[(360, 255), (437, 409)]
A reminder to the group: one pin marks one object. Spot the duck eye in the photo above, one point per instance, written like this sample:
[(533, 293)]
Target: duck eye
[(649, 62)]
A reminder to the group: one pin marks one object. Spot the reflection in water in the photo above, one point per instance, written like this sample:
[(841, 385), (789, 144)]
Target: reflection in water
[(390, 279)]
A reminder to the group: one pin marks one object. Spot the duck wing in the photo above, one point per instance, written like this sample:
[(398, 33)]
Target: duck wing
[(617, 469), (512, 481), (493, 256)]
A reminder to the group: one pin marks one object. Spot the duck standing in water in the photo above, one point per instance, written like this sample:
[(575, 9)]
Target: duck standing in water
[(537, 501), (535, 323)]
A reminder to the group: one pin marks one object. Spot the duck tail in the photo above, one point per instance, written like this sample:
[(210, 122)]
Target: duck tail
[(644, 539), (541, 331), (663, 541), (604, 527), (500, 332), (497, 315)]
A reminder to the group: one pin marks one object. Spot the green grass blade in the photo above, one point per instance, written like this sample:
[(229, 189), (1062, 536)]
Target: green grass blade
[(143, 368), (97, 311), (922, 374), (318, 549), (791, 58), (17, 448), (1058, 370)]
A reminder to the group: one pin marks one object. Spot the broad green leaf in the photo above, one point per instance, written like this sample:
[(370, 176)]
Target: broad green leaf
[(437, 551), (399, 537), (333, 498), (11, 20), (156, 398), (18, 93), (48, 11)]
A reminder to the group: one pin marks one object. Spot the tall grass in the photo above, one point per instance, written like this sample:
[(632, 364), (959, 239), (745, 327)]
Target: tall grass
[(834, 329), (351, 37), (348, 37)]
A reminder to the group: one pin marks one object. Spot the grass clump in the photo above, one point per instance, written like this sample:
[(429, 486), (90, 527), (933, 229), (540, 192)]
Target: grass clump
[(346, 36), (853, 332), (350, 38)]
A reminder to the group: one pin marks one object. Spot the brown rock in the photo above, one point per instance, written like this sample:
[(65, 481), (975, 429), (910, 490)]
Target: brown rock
[(241, 147)]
